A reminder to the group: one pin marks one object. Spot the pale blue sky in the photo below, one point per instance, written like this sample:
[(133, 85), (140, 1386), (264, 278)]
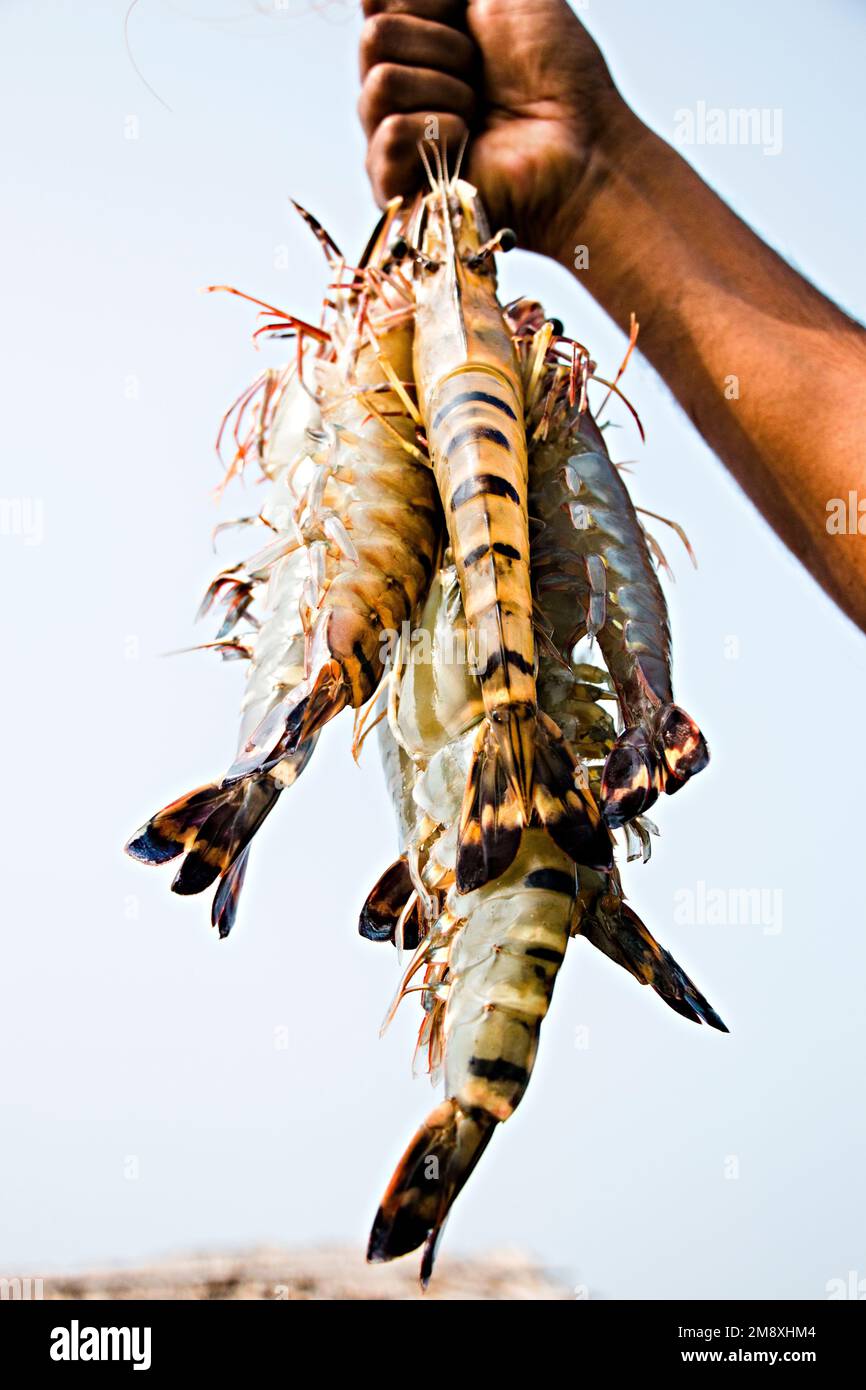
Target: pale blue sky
[(127, 1029)]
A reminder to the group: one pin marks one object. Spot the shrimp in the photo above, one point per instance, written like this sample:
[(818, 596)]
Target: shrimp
[(591, 546), (471, 398), (490, 957), (355, 524)]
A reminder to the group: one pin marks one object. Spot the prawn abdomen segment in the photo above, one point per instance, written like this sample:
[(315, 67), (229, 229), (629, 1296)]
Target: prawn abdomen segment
[(478, 446), (479, 455), (502, 969)]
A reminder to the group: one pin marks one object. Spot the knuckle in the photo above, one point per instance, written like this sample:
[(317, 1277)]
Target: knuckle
[(380, 37), (394, 137), (383, 84)]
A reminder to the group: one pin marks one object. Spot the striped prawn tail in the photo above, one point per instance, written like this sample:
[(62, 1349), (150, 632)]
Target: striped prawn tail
[(656, 756), (492, 818), (619, 933), (428, 1178), (212, 827)]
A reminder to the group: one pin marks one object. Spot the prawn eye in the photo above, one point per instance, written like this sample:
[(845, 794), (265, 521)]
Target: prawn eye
[(401, 249), (558, 327)]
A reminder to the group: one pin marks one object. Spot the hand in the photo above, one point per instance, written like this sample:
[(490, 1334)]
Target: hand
[(523, 76)]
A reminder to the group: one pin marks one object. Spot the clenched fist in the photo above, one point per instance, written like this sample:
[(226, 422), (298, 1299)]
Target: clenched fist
[(523, 77)]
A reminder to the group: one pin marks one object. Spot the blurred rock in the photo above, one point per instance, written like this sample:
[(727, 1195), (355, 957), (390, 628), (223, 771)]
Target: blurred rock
[(331, 1273)]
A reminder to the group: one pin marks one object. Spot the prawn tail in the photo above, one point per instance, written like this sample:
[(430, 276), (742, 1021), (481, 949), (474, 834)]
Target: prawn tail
[(225, 902), (565, 808), (492, 818), (172, 830), (392, 911), (514, 735), (685, 751), (212, 827), (624, 939), (428, 1179), (647, 760)]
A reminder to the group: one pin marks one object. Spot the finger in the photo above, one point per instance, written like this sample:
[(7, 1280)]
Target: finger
[(442, 11), (416, 43), (394, 165), (391, 90)]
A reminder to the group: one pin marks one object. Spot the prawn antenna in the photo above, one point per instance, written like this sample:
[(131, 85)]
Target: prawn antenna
[(458, 164), (427, 167)]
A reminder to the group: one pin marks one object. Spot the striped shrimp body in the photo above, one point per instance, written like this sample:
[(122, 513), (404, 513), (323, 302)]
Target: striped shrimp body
[(354, 524), (503, 945), (592, 546), (490, 958), (471, 400)]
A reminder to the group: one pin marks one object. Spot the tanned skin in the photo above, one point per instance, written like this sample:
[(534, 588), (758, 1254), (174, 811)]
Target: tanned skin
[(558, 155)]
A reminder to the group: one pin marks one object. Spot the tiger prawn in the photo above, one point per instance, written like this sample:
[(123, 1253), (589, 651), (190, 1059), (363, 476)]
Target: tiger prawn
[(355, 524), (590, 546), (471, 398), (488, 959)]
